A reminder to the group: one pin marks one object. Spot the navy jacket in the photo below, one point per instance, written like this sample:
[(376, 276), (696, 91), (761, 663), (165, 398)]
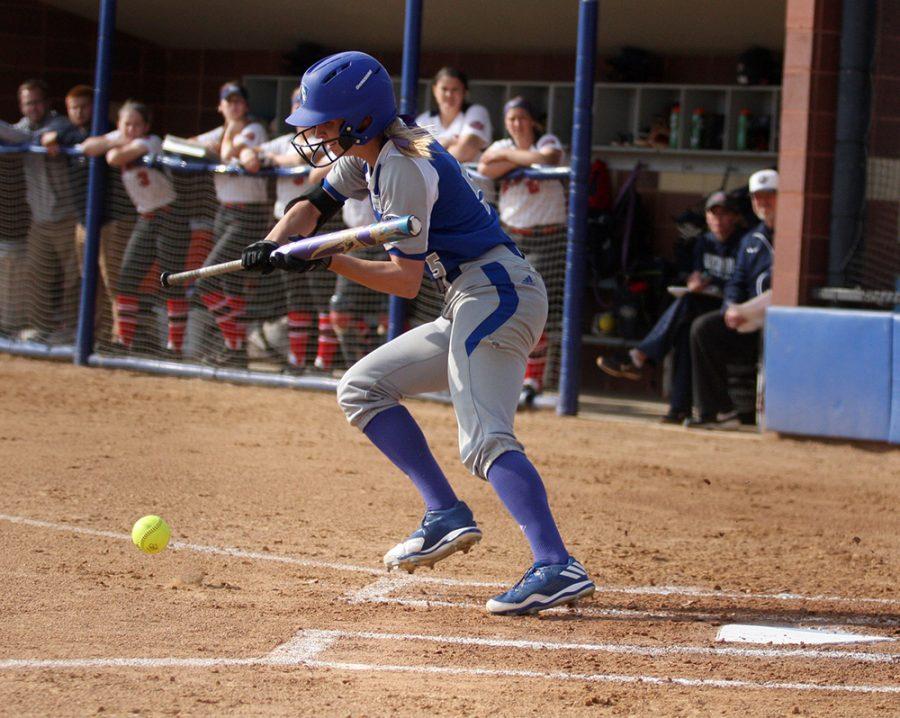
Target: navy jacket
[(715, 259), (753, 268)]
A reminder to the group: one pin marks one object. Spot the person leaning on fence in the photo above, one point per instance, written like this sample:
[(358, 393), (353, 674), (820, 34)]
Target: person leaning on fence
[(242, 216), (463, 129), (732, 334), (712, 265), (307, 295), (79, 110), (532, 211), (160, 236), (279, 152), (50, 252)]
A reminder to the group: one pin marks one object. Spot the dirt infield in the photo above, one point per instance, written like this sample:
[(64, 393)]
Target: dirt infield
[(274, 602)]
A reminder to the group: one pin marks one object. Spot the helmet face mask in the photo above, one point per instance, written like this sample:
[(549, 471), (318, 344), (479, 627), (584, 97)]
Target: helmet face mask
[(352, 86), (319, 152)]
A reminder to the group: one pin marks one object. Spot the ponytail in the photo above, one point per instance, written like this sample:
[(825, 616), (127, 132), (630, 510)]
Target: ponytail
[(413, 142)]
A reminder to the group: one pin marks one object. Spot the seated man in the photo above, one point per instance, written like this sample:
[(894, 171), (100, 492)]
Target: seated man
[(712, 265), (719, 338)]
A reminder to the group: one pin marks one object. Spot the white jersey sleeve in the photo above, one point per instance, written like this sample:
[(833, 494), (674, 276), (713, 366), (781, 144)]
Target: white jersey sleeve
[(213, 136), (347, 179), (279, 146), (549, 141), (253, 135), (407, 186), (476, 121)]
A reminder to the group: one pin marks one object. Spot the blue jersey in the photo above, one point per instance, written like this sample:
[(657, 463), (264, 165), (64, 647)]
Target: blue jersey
[(458, 225)]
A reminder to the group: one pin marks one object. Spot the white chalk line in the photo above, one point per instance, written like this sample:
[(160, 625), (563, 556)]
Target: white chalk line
[(626, 613), (379, 592), (603, 677), (312, 563), (631, 649), (303, 648)]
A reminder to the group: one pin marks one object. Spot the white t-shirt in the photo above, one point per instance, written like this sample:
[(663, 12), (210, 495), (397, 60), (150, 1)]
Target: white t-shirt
[(527, 202), (286, 188), (232, 189), (148, 187), (474, 121)]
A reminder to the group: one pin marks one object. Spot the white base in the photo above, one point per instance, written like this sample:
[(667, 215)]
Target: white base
[(785, 635)]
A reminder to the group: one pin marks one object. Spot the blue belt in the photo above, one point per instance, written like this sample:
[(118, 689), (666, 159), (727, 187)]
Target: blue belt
[(455, 272)]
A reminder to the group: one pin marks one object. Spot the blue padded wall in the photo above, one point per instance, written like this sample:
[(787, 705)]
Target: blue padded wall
[(828, 372), (895, 385)]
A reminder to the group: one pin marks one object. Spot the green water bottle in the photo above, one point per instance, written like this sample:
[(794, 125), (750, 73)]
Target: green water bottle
[(674, 122), (697, 129), (743, 123)]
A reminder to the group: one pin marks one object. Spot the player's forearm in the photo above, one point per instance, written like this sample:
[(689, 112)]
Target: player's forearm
[(298, 220), (228, 151), (524, 158), (387, 277), (496, 169), (120, 156), (95, 146), (466, 148)]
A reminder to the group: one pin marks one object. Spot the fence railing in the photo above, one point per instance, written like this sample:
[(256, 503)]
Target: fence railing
[(284, 329)]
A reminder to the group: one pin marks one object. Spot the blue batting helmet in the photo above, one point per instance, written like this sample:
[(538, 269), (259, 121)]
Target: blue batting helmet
[(350, 86)]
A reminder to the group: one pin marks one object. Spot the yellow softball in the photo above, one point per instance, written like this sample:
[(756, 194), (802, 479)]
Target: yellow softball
[(151, 534)]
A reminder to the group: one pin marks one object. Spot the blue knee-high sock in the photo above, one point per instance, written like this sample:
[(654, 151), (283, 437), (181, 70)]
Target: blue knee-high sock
[(521, 490), (399, 437)]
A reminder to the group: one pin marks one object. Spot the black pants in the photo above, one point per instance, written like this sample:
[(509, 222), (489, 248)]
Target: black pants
[(672, 332), (713, 347)]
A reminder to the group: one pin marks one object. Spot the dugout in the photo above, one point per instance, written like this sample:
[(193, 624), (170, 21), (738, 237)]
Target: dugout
[(175, 56)]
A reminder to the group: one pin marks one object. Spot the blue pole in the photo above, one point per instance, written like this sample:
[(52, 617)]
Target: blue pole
[(586, 53), (84, 341), (412, 42)]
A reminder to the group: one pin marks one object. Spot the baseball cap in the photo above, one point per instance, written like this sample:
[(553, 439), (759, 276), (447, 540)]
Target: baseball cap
[(764, 181), (717, 199), (232, 88)]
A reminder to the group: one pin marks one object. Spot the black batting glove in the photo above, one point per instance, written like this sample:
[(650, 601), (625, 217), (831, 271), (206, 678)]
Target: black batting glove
[(255, 257), (297, 265)]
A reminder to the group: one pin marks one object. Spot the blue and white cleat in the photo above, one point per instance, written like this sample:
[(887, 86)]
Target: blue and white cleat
[(440, 534), (543, 587)]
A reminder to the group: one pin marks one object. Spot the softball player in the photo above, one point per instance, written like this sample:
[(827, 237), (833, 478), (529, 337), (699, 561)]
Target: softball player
[(161, 232), (242, 213), (463, 129), (495, 310), (533, 210)]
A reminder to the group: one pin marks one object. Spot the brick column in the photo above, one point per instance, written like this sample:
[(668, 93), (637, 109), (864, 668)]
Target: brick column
[(806, 152)]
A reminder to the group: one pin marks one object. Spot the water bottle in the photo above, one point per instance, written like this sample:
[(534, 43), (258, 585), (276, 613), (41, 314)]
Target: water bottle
[(674, 122), (697, 129), (743, 123)]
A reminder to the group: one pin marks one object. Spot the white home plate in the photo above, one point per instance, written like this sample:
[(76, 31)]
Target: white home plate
[(785, 635)]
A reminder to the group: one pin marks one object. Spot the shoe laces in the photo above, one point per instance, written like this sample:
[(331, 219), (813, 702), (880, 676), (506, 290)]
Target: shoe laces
[(530, 571)]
